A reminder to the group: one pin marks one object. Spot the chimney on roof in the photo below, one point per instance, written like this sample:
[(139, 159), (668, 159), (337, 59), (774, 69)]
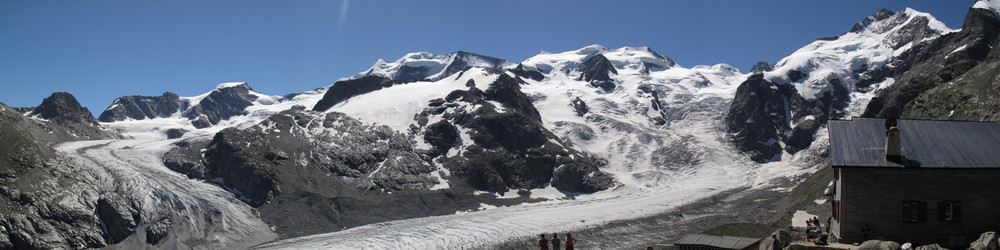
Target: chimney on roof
[(892, 152)]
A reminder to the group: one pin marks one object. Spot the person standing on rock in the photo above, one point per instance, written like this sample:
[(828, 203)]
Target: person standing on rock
[(555, 241), (543, 243), (775, 243), (570, 241)]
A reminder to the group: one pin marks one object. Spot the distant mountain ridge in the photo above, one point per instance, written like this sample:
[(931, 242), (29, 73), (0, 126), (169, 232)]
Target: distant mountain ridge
[(441, 135), (426, 66)]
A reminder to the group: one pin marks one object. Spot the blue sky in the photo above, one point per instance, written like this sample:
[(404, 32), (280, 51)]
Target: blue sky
[(100, 50)]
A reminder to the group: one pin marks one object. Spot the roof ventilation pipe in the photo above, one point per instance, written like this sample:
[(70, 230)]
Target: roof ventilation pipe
[(892, 150)]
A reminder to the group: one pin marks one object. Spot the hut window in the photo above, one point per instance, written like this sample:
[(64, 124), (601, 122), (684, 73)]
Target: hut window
[(949, 211), (914, 211)]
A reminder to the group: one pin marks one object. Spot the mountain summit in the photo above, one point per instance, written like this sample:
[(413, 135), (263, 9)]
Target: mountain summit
[(426, 66)]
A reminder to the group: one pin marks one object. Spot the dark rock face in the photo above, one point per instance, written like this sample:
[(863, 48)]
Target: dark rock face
[(463, 60), (246, 162), (655, 103), (289, 149), (512, 149), (119, 217), (530, 74), (40, 211), (578, 177), (19, 149), (62, 107), (175, 133), (442, 136), (763, 114), (411, 74), (757, 116), (974, 96), (880, 15), (187, 159), (597, 70), (67, 120), (941, 61), (221, 104), (342, 90), (142, 107), (157, 231), (580, 107), (761, 67)]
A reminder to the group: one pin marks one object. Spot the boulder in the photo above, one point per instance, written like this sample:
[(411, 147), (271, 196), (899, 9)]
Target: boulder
[(986, 241), (157, 231), (931, 247), (879, 245)]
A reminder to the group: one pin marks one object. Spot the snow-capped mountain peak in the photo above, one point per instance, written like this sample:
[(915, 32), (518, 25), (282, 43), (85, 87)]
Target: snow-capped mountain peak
[(628, 60), (993, 5), (871, 44), (428, 66), (232, 84)]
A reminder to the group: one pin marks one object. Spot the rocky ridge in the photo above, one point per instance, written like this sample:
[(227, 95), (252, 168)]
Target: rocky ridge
[(783, 108), (941, 61)]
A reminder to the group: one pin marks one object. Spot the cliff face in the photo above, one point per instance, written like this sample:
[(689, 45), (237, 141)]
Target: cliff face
[(943, 60)]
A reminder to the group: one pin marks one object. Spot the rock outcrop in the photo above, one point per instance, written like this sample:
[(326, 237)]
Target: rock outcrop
[(222, 103), (245, 161), (510, 148), (118, 216), (63, 120), (62, 107), (157, 231), (761, 67), (44, 204), (597, 71), (944, 59), (142, 107), (973, 96), (261, 161), (796, 98), (758, 116), (342, 90), (529, 74)]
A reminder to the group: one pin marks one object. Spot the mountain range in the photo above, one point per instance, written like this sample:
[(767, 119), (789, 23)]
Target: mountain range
[(602, 134)]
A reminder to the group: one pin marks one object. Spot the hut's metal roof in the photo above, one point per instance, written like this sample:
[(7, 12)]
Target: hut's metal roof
[(923, 143), (728, 242)]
